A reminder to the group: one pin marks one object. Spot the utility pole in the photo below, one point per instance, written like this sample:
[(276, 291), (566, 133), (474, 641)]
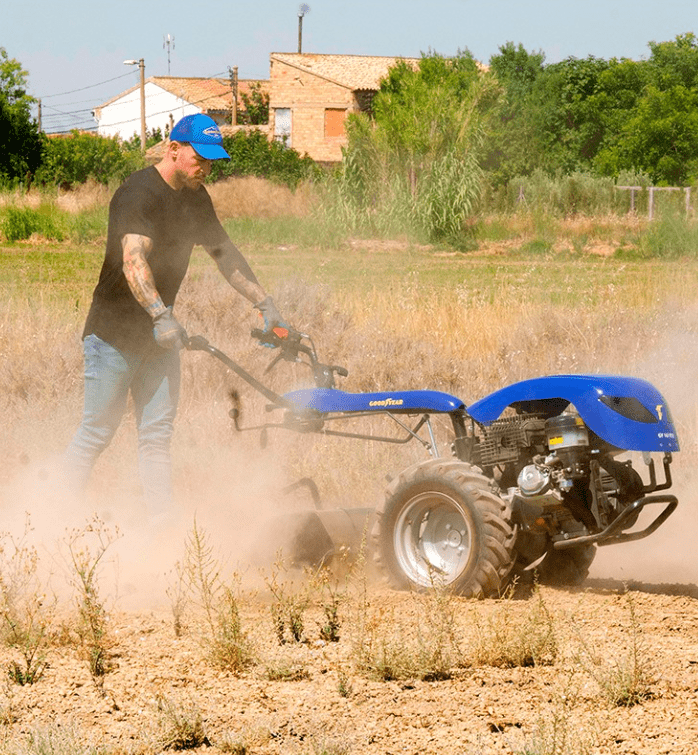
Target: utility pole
[(141, 64), (234, 89), (38, 113)]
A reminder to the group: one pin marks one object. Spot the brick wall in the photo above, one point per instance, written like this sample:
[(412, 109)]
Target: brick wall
[(308, 97)]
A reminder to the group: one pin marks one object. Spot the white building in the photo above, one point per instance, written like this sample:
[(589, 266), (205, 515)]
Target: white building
[(167, 99)]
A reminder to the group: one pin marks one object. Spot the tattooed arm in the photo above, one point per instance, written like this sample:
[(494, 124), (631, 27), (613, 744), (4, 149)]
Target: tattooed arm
[(139, 276), (236, 270)]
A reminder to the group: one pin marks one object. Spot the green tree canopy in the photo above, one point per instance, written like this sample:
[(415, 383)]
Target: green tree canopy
[(605, 116), (20, 141), (513, 144)]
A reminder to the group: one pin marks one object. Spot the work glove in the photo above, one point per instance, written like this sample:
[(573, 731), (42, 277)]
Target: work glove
[(273, 322), (169, 334)]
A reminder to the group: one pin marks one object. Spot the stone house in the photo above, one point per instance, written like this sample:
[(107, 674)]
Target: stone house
[(310, 96)]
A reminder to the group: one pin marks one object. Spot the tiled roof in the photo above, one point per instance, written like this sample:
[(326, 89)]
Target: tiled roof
[(350, 71), (208, 94)]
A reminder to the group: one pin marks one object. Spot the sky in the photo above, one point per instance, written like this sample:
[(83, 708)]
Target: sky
[(74, 52)]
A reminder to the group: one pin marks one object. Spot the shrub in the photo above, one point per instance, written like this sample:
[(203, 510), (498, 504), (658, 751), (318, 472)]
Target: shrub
[(93, 627), (70, 160), (252, 154), (25, 614), (509, 640), (670, 237), (561, 195), (180, 725), (21, 222), (227, 644)]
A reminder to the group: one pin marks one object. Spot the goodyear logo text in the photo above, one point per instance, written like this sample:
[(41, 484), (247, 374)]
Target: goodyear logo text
[(387, 402)]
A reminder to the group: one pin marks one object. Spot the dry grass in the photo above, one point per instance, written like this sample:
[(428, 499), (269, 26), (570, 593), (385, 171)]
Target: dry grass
[(87, 196), (256, 197), (459, 339)]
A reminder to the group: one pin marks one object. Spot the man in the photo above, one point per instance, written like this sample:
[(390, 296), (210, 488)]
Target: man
[(131, 337)]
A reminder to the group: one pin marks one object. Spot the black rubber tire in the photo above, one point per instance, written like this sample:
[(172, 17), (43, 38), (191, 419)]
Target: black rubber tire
[(568, 567), (444, 509)]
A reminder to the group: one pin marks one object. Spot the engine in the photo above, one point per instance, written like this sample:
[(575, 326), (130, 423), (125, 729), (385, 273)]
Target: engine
[(557, 475), (566, 460)]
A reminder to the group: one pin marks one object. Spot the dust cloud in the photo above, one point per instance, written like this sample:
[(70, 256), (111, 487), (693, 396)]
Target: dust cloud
[(235, 497), (669, 555)]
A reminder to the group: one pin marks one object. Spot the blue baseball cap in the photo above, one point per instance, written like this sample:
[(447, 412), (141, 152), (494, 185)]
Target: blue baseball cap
[(202, 133)]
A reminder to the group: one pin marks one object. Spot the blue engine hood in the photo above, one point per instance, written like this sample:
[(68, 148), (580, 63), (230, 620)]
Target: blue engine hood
[(593, 396)]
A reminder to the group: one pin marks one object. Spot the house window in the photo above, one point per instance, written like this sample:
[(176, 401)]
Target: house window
[(334, 121), (282, 125)]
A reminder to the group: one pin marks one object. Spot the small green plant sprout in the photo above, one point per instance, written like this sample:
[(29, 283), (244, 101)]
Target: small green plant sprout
[(289, 603), (508, 639), (227, 644), (344, 685), (331, 596), (180, 725), (285, 668), (57, 740), (87, 548), (250, 739), (26, 613), (629, 679), (176, 592)]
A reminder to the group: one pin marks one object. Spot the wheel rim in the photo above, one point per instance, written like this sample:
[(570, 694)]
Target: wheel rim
[(432, 539)]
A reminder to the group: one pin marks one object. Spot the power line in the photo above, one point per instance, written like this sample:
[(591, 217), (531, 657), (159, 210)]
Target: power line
[(82, 89), (58, 112), (76, 118)]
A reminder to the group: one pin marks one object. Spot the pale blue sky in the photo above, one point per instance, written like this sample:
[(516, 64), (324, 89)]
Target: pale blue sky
[(81, 45)]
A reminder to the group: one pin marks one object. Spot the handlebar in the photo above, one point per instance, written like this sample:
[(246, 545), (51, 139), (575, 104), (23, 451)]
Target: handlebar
[(286, 339), (291, 347)]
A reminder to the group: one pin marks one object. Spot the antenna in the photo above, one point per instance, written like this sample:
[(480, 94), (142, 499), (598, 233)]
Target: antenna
[(168, 42), (303, 10)]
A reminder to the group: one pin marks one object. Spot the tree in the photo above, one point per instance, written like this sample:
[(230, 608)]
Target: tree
[(256, 104), (20, 140), (660, 138), (417, 160), (652, 114), (513, 146), (569, 119), (675, 63), (252, 154)]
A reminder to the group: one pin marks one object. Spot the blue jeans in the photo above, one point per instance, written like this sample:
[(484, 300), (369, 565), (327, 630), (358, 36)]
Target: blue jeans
[(153, 380)]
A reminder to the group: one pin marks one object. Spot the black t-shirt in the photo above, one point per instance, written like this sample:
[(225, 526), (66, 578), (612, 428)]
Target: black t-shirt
[(175, 221)]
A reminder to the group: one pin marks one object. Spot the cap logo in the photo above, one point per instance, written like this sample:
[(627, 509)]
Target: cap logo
[(212, 131)]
